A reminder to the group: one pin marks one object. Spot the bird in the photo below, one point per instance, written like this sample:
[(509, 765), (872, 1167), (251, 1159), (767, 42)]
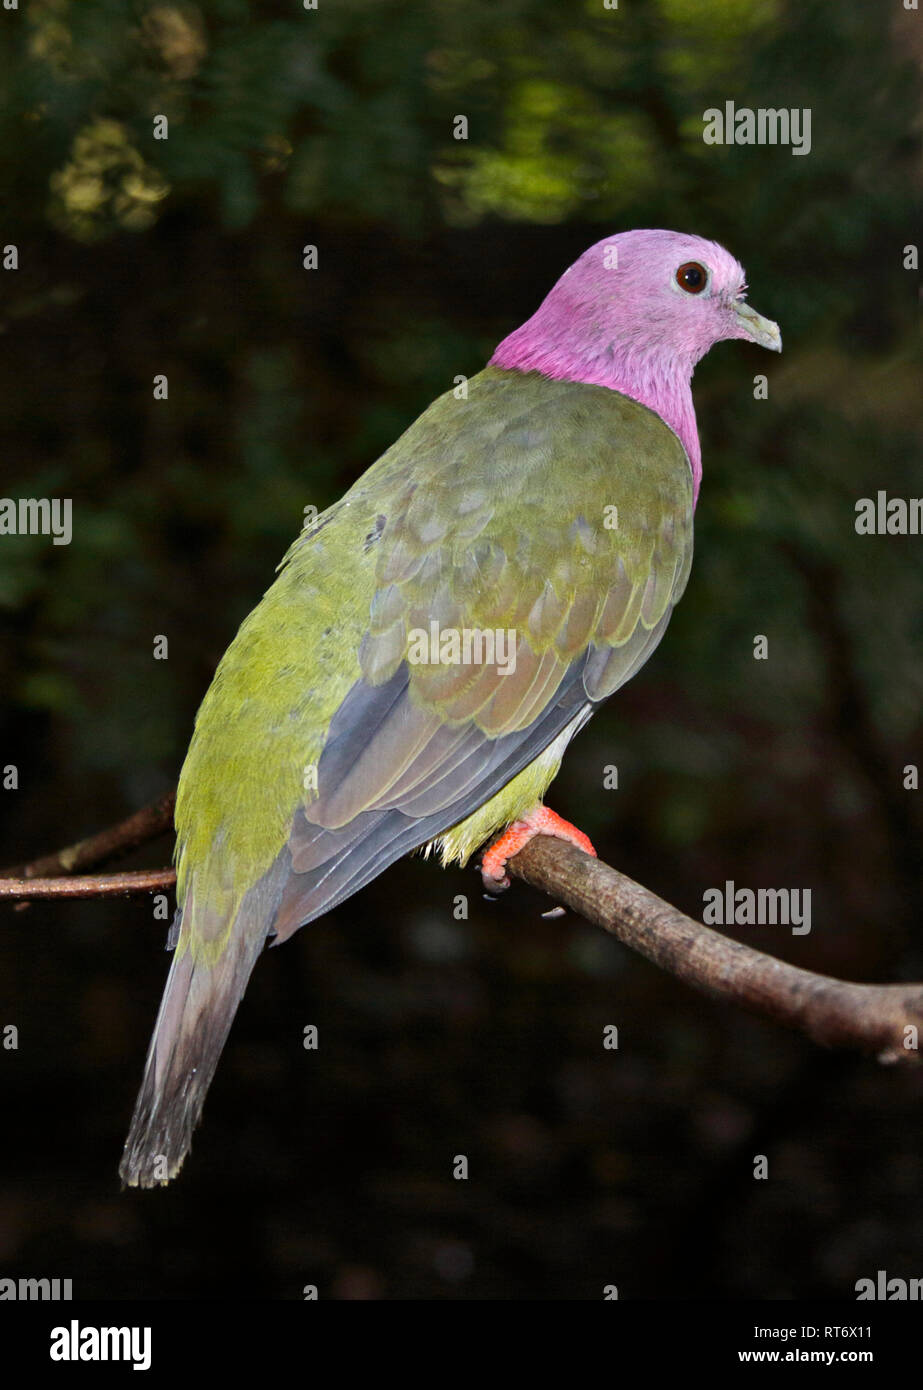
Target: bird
[(436, 638)]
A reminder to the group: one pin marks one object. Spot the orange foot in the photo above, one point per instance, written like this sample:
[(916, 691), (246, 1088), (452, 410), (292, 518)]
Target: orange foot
[(540, 821)]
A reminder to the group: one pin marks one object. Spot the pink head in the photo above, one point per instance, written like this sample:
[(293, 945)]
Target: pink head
[(635, 313)]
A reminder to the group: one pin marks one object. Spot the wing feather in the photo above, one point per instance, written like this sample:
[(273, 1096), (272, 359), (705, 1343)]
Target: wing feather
[(489, 515)]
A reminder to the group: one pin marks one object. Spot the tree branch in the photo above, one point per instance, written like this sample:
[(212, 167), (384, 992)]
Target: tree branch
[(131, 884), (110, 843), (884, 1020), (834, 1013)]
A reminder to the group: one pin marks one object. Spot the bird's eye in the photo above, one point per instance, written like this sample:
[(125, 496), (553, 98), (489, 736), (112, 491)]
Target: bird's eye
[(692, 277)]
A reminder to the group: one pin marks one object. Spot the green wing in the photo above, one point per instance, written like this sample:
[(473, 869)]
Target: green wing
[(557, 512)]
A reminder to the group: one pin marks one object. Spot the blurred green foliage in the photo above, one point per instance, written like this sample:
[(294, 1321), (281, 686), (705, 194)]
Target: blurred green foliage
[(334, 128)]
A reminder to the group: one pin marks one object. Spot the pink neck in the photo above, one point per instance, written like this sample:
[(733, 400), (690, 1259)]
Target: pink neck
[(664, 388)]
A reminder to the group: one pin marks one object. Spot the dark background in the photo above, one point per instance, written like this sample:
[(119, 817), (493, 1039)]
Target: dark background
[(438, 1037)]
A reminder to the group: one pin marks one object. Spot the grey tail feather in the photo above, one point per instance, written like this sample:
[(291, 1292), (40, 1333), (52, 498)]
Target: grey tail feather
[(196, 1013)]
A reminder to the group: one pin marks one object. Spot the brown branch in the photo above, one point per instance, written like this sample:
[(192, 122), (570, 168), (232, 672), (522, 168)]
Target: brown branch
[(116, 840), (832, 1012), (131, 884)]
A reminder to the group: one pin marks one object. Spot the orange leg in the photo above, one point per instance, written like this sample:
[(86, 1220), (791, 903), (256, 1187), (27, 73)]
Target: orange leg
[(540, 821)]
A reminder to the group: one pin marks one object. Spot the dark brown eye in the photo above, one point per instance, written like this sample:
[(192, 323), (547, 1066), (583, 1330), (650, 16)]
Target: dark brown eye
[(692, 277)]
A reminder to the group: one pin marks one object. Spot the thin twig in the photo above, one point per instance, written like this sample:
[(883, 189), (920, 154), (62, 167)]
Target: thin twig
[(130, 884), (115, 840)]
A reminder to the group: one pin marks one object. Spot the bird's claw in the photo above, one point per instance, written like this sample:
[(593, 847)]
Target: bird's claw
[(494, 886)]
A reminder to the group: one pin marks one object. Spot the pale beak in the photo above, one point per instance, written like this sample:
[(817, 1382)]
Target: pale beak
[(753, 325)]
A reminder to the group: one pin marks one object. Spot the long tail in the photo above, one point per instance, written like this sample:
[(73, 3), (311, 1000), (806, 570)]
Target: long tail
[(196, 1013)]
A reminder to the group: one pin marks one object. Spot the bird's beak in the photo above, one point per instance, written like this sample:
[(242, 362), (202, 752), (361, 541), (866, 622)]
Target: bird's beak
[(753, 325)]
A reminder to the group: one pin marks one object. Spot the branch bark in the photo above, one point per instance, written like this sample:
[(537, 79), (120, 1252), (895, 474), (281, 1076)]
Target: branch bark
[(131, 884), (884, 1020), (834, 1013)]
